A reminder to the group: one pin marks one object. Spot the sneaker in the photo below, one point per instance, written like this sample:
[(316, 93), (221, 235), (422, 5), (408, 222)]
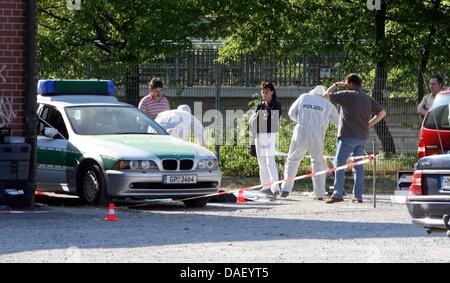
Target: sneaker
[(330, 191), (284, 194), (355, 200), (333, 200), (319, 199)]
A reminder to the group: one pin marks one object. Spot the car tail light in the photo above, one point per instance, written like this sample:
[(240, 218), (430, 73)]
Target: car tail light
[(416, 187), (421, 149)]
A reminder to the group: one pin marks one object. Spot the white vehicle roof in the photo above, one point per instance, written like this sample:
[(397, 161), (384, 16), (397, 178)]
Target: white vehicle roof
[(79, 100)]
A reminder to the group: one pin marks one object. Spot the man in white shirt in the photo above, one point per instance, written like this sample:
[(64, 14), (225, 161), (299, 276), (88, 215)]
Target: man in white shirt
[(436, 83)]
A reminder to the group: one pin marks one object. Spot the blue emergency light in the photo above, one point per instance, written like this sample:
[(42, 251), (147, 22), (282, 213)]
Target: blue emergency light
[(75, 87)]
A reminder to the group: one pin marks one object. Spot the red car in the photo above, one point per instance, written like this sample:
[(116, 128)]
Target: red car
[(435, 133)]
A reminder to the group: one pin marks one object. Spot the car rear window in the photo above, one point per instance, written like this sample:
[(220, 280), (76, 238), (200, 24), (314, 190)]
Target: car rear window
[(438, 117)]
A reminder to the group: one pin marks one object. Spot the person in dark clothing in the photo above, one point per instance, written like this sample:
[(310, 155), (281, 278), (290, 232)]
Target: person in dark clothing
[(359, 113), (265, 127)]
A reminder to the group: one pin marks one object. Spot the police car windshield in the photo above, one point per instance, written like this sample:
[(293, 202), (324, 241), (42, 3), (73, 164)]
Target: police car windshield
[(438, 117), (111, 120)]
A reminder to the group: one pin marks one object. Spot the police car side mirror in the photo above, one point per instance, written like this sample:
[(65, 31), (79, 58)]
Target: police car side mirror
[(50, 132)]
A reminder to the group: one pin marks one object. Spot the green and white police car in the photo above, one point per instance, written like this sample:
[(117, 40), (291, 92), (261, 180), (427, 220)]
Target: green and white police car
[(93, 146)]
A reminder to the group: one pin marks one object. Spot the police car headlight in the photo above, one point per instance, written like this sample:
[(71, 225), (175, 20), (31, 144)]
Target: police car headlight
[(202, 164), (211, 164), (208, 164), (136, 165), (149, 165), (122, 164)]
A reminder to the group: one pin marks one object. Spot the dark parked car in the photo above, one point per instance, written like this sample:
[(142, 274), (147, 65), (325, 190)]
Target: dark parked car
[(429, 198)]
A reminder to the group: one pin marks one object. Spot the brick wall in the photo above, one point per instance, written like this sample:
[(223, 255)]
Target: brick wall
[(12, 65)]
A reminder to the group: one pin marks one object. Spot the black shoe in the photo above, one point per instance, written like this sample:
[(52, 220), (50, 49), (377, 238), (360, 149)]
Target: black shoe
[(333, 200), (330, 193), (284, 194), (269, 194)]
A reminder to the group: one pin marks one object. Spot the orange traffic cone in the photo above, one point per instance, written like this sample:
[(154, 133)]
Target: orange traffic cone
[(240, 198), (111, 215)]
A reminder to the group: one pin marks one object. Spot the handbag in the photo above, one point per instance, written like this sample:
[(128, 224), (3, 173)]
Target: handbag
[(253, 150)]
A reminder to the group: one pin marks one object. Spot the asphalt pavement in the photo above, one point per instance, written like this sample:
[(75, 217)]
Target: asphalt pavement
[(297, 229)]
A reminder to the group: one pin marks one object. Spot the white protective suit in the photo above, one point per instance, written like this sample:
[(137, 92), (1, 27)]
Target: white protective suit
[(312, 113), (179, 123)]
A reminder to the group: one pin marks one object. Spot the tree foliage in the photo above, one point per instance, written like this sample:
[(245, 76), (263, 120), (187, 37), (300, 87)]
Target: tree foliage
[(122, 31), (405, 35), (139, 31), (404, 43), (318, 27)]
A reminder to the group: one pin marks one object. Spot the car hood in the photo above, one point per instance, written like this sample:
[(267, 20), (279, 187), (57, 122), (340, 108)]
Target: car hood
[(143, 147)]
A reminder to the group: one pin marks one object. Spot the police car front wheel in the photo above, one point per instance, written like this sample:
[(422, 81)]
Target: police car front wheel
[(92, 187)]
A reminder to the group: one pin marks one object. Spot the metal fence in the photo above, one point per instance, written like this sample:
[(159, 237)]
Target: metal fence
[(198, 76)]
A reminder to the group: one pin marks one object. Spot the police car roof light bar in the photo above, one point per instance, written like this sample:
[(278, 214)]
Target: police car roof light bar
[(75, 87)]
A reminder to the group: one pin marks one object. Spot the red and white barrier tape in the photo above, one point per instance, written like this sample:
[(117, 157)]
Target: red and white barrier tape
[(311, 175), (352, 158), (327, 157)]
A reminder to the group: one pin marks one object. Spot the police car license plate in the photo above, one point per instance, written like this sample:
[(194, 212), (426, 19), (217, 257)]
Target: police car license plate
[(184, 179), (445, 183)]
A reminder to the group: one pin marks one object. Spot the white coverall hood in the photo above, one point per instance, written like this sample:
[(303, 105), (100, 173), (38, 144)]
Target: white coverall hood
[(185, 108), (318, 90), (181, 123)]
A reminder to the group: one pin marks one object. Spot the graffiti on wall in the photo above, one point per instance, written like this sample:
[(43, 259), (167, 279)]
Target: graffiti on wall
[(7, 113)]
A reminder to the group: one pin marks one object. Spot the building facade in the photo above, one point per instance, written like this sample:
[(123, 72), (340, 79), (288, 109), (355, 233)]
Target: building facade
[(18, 98), (13, 25)]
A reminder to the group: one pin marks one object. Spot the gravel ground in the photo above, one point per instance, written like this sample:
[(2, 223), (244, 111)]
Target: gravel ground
[(298, 229)]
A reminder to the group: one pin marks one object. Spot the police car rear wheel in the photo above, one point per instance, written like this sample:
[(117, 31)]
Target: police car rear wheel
[(92, 185)]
